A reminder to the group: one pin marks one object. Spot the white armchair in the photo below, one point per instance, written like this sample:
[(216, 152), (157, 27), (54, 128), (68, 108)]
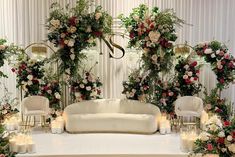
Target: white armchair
[(33, 106), (188, 106)]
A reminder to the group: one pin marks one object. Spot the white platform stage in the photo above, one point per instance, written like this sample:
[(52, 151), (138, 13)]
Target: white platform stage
[(105, 145)]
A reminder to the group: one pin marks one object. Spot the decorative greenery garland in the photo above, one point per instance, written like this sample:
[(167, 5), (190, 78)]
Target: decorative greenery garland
[(221, 61), (73, 30)]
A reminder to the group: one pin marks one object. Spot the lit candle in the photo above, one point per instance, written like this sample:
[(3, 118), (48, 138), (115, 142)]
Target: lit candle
[(31, 147)]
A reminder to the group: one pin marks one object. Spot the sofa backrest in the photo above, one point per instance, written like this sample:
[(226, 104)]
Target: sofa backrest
[(112, 106)]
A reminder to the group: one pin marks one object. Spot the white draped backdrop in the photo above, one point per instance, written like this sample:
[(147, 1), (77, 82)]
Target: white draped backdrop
[(22, 22)]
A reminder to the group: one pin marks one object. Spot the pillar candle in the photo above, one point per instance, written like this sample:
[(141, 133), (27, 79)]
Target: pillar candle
[(31, 147)]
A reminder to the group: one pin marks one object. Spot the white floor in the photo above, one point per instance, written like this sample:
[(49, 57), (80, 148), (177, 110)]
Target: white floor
[(105, 144)]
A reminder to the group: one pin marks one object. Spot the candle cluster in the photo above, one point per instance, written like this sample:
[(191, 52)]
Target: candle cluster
[(12, 123), (187, 139), (57, 125), (165, 126), (22, 143)]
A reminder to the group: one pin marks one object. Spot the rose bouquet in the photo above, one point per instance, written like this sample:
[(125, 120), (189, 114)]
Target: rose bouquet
[(217, 138), (29, 74), (86, 88), (154, 32), (221, 61), (72, 30), (165, 94), (137, 87), (52, 90), (188, 76), (214, 104)]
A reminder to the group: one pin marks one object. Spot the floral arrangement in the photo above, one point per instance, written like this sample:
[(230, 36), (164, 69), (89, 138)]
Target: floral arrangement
[(221, 61), (165, 94), (72, 30), (4, 143), (86, 88), (5, 51), (154, 32), (29, 74), (214, 104), (52, 90), (8, 105), (137, 87), (217, 138), (187, 73), (3, 48)]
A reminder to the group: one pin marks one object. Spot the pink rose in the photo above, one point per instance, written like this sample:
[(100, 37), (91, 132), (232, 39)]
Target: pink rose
[(226, 56)]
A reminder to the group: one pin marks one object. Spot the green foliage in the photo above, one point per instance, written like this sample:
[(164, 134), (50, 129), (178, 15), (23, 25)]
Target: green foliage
[(4, 143), (214, 104)]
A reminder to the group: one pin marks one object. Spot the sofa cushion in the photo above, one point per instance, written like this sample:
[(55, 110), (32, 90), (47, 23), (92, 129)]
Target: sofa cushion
[(111, 122)]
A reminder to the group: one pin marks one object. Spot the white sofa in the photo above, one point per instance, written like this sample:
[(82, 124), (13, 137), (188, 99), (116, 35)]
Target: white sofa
[(112, 115)]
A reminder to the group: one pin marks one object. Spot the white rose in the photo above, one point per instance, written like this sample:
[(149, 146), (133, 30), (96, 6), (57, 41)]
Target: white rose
[(29, 83), (213, 55), (129, 28), (67, 71), (136, 17), (94, 93), (72, 56), (154, 58), (84, 81), (98, 15), (2, 47), (231, 148), (77, 94), (72, 29), (55, 23), (185, 77), (49, 91), (190, 73), (204, 136), (127, 94), (154, 36), (186, 66), (81, 86), (133, 90), (208, 51), (221, 134), (192, 79), (71, 43), (217, 52), (132, 94), (30, 77), (229, 138), (88, 88), (88, 29), (57, 95)]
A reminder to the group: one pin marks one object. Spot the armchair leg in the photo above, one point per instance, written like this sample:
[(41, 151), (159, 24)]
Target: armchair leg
[(26, 122)]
